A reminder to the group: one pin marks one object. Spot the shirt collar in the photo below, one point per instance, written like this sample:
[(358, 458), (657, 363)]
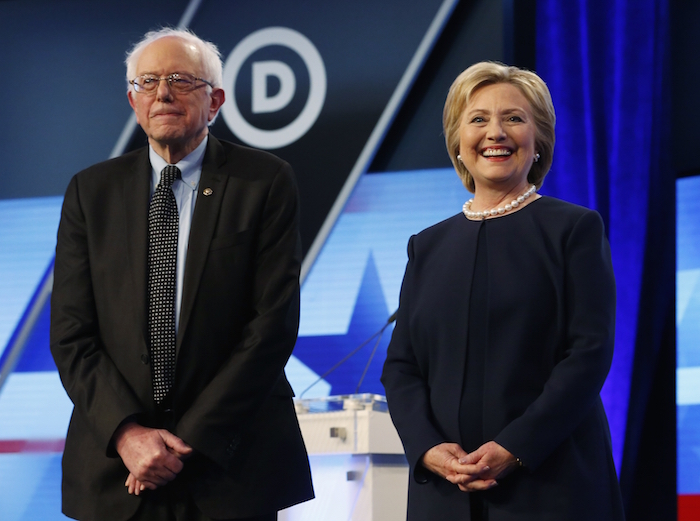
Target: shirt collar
[(190, 166)]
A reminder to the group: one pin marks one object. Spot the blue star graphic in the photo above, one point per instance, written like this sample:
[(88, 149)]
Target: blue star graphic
[(370, 314)]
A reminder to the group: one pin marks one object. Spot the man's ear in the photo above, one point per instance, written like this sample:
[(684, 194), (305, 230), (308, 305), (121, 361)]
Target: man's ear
[(217, 97), (130, 95)]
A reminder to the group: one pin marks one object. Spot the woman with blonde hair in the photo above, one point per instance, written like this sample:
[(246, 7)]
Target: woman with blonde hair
[(505, 328)]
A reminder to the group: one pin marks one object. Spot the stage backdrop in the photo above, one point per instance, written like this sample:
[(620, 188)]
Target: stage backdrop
[(332, 74)]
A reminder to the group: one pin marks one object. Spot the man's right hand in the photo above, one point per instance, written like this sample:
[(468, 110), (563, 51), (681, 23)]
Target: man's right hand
[(154, 457)]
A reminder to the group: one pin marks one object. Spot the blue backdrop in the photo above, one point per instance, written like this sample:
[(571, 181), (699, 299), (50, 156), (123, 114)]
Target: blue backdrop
[(605, 62)]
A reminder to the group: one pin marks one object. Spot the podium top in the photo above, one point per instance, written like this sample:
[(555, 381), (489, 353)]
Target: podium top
[(343, 402)]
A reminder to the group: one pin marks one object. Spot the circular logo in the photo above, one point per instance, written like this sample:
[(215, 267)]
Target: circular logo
[(300, 44)]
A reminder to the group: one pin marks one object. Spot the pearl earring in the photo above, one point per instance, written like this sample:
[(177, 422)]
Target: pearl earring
[(459, 158), (537, 157)]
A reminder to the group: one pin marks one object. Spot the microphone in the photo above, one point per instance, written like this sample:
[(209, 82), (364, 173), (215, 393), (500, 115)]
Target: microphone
[(379, 334), (391, 319)]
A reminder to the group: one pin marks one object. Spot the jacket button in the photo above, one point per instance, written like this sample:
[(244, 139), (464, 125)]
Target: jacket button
[(145, 359)]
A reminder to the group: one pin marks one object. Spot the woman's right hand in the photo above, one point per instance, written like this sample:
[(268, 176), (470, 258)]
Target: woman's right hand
[(443, 460)]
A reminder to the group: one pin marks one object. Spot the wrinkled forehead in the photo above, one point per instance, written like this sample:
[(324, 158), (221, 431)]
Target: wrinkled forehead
[(167, 55)]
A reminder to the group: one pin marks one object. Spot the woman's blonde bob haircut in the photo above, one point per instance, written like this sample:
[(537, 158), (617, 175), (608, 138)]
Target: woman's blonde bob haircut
[(535, 91)]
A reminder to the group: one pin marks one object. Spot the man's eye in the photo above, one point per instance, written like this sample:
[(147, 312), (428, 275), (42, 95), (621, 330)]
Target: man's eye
[(180, 81), (148, 81)]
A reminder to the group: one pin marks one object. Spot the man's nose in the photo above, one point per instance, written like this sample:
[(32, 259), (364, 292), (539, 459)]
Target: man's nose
[(163, 91)]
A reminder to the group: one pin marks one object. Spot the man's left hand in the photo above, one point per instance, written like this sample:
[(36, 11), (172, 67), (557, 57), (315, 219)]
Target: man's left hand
[(152, 456)]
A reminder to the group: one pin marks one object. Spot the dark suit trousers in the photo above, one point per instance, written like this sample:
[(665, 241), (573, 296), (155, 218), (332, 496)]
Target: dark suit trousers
[(174, 503)]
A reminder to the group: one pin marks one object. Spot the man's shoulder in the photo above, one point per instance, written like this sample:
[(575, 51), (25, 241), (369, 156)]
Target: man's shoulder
[(235, 149), (240, 156)]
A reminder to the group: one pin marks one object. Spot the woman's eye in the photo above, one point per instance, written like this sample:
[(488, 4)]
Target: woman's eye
[(515, 119), (478, 119)]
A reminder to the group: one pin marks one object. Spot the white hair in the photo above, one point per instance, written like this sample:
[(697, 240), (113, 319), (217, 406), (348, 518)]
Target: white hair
[(212, 67)]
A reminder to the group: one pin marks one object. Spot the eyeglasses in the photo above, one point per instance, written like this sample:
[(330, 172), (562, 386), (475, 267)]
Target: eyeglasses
[(179, 82)]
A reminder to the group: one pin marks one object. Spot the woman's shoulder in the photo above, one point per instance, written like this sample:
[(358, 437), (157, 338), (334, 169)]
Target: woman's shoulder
[(440, 240), (559, 212), (557, 218), (553, 205), (441, 228)]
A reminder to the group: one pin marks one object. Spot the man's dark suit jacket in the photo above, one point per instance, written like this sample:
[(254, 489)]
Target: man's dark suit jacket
[(238, 324)]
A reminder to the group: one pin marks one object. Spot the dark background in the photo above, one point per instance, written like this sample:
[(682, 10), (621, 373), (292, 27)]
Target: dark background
[(685, 78)]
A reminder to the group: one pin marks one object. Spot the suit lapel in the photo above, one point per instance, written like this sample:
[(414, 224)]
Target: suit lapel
[(136, 190), (210, 195)]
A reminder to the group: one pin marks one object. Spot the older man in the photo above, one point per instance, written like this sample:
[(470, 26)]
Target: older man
[(175, 308)]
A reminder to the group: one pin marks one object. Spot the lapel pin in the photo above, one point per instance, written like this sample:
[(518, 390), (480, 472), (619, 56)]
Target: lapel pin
[(207, 191)]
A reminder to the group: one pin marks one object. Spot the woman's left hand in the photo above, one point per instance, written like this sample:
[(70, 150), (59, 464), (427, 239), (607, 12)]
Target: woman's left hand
[(492, 455)]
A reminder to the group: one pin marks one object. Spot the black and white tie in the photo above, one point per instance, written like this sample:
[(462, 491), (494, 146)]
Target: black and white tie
[(162, 259)]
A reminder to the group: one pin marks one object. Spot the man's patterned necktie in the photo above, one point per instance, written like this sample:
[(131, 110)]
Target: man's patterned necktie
[(162, 258)]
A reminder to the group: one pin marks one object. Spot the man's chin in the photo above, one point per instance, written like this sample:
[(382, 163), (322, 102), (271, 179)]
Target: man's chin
[(167, 139)]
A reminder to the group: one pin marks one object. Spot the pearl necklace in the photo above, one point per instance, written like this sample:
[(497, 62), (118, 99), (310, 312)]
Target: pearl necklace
[(497, 211)]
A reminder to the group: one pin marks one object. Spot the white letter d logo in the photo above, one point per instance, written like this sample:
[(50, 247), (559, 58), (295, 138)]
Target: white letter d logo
[(261, 101)]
